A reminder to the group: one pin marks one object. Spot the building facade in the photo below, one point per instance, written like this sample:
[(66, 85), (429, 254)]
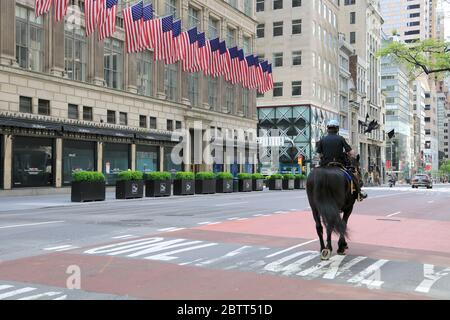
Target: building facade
[(70, 102)]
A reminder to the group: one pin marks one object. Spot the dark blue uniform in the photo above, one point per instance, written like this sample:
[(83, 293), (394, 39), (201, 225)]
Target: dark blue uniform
[(332, 148)]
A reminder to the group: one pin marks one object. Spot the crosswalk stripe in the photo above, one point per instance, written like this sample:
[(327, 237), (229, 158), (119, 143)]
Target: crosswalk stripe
[(16, 292), (59, 247), (37, 296), (5, 286), (61, 298)]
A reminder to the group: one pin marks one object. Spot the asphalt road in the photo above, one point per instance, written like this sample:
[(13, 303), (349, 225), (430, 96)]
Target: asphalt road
[(259, 245)]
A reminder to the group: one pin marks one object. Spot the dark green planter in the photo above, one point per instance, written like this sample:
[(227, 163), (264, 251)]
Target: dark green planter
[(205, 186), (224, 186), (245, 185), (158, 188), (88, 191), (183, 187), (129, 189), (275, 184), (288, 184), (299, 184), (258, 185)]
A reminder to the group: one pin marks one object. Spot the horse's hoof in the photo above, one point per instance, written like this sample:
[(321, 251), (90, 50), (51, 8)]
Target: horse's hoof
[(325, 254), (341, 253)]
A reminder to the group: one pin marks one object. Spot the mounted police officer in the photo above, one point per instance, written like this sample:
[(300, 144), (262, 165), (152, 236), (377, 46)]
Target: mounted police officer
[(334, 150)]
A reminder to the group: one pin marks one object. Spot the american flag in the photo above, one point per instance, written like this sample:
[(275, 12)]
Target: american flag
[(214, 67), (60, 7), (225, 61), (107, 18), (243, 68), (190, 49), (208, 52), (133, 23), (164, 39), (262, 86), (204, 52), (269, 79), (251, 71), (146, 35), (235, 68), (90, 15), (42, 7), (176, 48)]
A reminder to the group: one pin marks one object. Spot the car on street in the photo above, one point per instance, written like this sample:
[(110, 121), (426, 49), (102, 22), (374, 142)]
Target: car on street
[(421, 180)]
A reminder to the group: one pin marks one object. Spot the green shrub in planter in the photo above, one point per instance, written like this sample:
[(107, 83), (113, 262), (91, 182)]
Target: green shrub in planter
[(205, 183), (130, 185), (275, 182), (244, 176), (224, 182), (184, 184), (288, 176), (88, 186), (288, 181), (245, 182), (158, 184), (258, 182), (276, 176)]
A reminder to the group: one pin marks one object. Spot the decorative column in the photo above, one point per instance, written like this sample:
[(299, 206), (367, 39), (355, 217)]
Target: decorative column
[(131, 72), (133, 157), (7, 163), (8, 39), (99, 156), (56, 46), (160, 91), (161, 158), (58, 162), (96, 59)]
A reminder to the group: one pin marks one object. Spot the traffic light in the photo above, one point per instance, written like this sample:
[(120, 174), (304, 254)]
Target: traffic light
[(300, 160)]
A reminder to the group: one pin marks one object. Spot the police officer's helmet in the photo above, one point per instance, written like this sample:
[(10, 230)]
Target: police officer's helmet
[(333, 124)]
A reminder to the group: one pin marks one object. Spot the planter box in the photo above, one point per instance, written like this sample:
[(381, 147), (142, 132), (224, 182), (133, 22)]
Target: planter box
[(299, 184), (288, 184), (129, 189), (88, 191), (183, 187), (235, 185), (275, 184), (258, 185), (205, 186), (158, 188), (245, 185), (224, 186)]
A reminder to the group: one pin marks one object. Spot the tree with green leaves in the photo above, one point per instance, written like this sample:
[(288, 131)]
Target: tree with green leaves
[(430, 56)]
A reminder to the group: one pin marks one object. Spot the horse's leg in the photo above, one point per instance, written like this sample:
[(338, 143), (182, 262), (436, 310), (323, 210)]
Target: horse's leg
[(325, 254), (319, 228), (342, 243)]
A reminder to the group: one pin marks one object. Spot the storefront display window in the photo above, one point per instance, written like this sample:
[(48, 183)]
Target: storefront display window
[(32, 162), (147, 158), (77, 155), (169, 165), (115, 160), (2, 159)]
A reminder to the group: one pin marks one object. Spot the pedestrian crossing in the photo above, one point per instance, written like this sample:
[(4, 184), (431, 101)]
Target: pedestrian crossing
[(11, 292)]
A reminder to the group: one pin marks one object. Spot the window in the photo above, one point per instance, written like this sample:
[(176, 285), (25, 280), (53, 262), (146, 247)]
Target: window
[(296, 3), (171, 81), (246, 45), (278, 59), (193, 88), (278, 29), (30, 40), (44, 107), (277, 4), (169, 125), (213, 27), (123, 118), (144, 67), (193, 18), (143, 121), (171, 7), (213, 87), (77, 155), (427, 131), (152, 123), (352, 17), (230, 96), (245, 103), (259, 5), (352, 37), (231, 37), (87, 113), (260, 30), (178, 125), (427, 119), (296, 88), (73, 111), (26, 105), (297, 26), (278, 89), (75, 53), (349, 2), (296, 58), (113, 63), (111, 117)]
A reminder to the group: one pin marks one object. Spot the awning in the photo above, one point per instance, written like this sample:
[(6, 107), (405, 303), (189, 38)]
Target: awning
[(156, 136), (29, 124), (99, 131)]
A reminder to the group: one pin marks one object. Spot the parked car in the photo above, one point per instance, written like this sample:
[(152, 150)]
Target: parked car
[(421, 180)]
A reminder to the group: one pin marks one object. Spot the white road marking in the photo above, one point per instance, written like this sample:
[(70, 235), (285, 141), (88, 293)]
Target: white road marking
[(296, 266), (280, 212), (16, 292), (432, 201), (29, 224), (229, 204), (289, 249), (266, 215), (258, 215), (317, 270), (334, 273), (186, 263), (37, 296), (235, 218), (176, 229), (393, 214), (241, 219), (65, 249), (206, 222), (5, 286), (366, 273), (59, 247), (293, 209), (124, 236), (228, 255), (166, 229), (166, 256), (61, 298), (430, 278), (212, 223)]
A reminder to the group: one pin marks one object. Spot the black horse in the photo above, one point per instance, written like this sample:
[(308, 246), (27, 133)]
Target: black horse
[(330, 192)]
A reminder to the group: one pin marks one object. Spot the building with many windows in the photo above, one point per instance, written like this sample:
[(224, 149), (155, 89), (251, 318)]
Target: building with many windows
[(70, 102)]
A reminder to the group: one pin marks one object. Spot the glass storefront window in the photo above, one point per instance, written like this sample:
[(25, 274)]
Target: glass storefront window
[(169, 165), (147, 158), (32, 162), (115, 160), (1, 161), (77, 155)]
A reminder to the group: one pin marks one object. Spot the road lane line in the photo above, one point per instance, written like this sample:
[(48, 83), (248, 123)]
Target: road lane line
[(59, 247), (290, 248), (66, 249), (229, 204), (61, 298), (29, 224), (176, 229), (16, 292), (393, 214), (235, 218), (241, 219), (123, 237), (206, 222), (212, 223), (37, 296), (5, 286), (166, 229), (258, 215)]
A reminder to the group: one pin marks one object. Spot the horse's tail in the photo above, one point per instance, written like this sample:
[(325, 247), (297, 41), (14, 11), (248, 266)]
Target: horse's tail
[(327, 191)]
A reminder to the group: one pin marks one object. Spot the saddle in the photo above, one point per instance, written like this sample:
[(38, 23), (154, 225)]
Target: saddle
[(345, 171)]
